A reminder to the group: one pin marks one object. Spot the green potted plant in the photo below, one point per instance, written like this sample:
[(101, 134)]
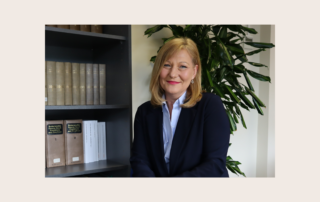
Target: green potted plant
[(222, 58)]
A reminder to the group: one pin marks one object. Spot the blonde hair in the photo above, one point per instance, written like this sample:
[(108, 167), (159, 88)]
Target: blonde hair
[(167, 50)]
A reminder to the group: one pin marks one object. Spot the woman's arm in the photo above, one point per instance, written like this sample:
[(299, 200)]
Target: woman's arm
[(139, 159), (216, 135)]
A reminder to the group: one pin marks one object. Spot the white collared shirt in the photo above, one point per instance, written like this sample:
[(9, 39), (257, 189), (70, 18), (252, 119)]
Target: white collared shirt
[(169, 126)]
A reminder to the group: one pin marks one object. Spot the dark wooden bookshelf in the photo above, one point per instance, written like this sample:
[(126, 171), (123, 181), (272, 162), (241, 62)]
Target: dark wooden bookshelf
[(82, 107), (83, 169), (113, 48)]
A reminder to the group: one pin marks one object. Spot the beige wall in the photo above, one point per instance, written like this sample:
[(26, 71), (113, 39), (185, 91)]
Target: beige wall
[(244, 141)]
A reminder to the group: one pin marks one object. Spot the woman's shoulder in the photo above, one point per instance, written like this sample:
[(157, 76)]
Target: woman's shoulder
[(210, 97), (146, 107)]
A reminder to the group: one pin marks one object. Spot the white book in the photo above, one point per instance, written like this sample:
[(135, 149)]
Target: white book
[(104, 140), (99, 137), (101, 140), (92, 159), (86, 141), (96, 141)]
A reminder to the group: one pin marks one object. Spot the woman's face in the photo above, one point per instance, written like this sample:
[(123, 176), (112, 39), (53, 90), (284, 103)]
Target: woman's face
[(177, 73)]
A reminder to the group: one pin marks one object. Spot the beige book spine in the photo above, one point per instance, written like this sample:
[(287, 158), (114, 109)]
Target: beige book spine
[(60, 82), (86, 28), (68, 84), (102, 82), (96, 99), (89, 84), (96, 28), (55, 140), (82, 84), (74, 141), (51, 83), (75, 27), (64, 26), (45, 89), (75, 84)]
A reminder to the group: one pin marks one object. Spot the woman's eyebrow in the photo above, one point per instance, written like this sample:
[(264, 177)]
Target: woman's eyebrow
[(183, 62)]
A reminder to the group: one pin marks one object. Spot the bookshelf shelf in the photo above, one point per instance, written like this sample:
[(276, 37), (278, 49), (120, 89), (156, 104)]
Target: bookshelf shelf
[(82, 169), (80, 107), (79, 39), (112, 48)]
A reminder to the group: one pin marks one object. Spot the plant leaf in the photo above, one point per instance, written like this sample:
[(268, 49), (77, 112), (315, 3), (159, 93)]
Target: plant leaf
[(154, 29), (257, 106), (153, 59), (232, 94), (244, 106), (232, 123), (216, 29), (255, 97), (250, 30), (255, 51), (248, 81), (245, 99), (260, 77), (257, 64), (215, 87), (239, 68), (223, 32), (259, 45), (165, 40), (176, 30), (224, 54)]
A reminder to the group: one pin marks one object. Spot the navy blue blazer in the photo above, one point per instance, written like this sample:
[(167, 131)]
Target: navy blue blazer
[(199, 146)]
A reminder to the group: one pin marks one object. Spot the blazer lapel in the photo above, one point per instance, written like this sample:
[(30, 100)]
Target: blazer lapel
[(154, 127), (181, 134)]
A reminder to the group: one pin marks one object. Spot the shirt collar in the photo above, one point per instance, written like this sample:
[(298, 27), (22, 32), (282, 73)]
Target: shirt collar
[(180, 99)]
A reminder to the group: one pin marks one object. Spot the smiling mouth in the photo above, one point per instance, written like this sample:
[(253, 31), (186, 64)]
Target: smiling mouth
[(173, 82)]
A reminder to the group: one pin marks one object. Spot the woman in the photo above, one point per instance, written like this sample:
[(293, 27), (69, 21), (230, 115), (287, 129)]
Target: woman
[(180, 132)]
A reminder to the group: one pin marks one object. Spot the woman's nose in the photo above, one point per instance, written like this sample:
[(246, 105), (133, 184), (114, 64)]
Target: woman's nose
[(173, 72)]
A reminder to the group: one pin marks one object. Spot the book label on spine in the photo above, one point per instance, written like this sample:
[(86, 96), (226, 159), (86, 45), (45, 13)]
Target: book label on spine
[(74, 141), (55, 143)]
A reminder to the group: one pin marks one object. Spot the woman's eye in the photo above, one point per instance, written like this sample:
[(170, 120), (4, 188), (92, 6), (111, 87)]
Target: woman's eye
[(166, 65), (183, 66)]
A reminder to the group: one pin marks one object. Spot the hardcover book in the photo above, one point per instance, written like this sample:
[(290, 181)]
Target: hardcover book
[(96, 28), (86, 28), (45, 88), (82, 84), (89, 84), (60, 82), (75, 83), (73, 141), (102, 85), (51, 82), (63, 26), (68, 84), (55, 148), (96, 89), (75, 27)]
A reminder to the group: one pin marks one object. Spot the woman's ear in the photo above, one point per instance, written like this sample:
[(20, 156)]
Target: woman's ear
[(195, 70)]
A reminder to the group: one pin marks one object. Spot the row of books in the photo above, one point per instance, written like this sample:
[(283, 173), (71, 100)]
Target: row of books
[(75, 83), (86, 28), (70, 142)]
